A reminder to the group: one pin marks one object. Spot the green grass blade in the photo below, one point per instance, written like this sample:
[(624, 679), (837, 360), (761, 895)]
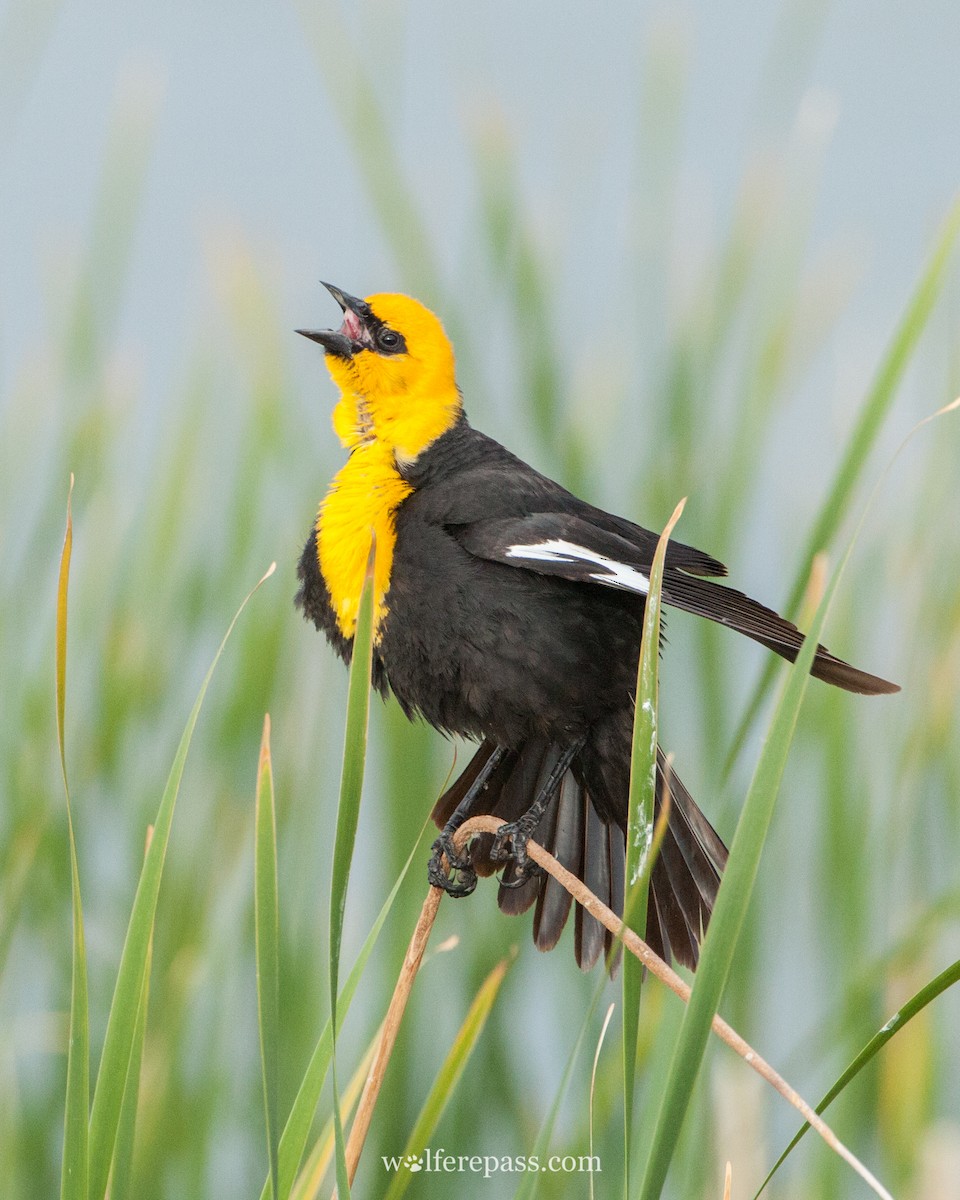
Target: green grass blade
[(517, 266), (908, 950), (74, 1171), (99, 288), (730, 910), (350, 86), (874, 410), (15, 876), (296, 1131), (348, 815), (449, 1074), (267, 923), (121, 1177), (310, 1180), (900, 1019), (369, 123), (530, 1182), (593, 1084), (121, 1022), (640, 818), (739, 876)]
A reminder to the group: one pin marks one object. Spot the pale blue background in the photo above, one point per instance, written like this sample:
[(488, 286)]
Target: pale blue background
[(246, 136)]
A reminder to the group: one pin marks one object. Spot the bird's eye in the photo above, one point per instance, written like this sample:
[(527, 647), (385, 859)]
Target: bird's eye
[(388, 339)]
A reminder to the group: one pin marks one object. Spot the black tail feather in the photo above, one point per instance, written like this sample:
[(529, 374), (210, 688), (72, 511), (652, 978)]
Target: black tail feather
[(737, 611), (553, 904), (680, 902), (530, 775), (595, 873), (685, 877)]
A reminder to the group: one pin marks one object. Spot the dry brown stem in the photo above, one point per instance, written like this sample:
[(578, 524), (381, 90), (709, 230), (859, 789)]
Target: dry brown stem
[(391, 1024), (656, 966), (653, 962)]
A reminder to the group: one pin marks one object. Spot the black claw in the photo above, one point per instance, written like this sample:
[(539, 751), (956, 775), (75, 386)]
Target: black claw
[(502, 847), (436, 876), (462, 878), (444, 846), (460, 886), (522, 874), (511, 842)]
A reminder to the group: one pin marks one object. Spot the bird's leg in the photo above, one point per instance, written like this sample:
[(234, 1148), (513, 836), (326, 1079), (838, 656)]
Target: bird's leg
[(460, 863), (511, 840)]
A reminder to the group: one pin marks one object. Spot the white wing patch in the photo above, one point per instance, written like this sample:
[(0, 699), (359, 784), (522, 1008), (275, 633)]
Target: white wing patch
[(612, 573)]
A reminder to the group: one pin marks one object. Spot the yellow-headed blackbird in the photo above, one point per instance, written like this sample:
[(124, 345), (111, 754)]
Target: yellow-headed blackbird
[(509, 611)]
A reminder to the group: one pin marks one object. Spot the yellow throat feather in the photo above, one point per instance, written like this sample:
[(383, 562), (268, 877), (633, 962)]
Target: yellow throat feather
[(391, 408)]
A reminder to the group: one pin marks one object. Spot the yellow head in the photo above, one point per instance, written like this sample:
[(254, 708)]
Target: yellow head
[(395, 369)]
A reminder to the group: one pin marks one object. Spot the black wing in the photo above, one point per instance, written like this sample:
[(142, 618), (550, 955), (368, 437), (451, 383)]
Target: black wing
[(573, 545)]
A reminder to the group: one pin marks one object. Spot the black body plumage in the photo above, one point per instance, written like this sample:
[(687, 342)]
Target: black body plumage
[(513, 616)]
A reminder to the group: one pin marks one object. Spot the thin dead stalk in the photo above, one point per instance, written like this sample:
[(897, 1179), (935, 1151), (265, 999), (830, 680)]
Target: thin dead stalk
[(656, 966), (391, 1025), (653, 962)]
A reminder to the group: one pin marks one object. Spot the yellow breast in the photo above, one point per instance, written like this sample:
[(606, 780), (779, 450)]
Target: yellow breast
[(361, 503)]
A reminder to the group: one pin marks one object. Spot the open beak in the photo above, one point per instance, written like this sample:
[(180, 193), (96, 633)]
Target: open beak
[(353, 335)]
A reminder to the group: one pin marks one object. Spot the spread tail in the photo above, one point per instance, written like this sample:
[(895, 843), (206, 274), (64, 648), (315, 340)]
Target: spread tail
[(685, 878)]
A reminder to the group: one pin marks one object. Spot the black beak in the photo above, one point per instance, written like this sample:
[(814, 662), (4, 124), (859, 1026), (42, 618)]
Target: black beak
[(331, 340), (346, 301), (339, 341)]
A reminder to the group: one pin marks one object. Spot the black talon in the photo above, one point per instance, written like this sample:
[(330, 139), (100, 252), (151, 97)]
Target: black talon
[(462, 878), (444, 845), (458, 887), (529, 870), (459, 864), (510, 841)]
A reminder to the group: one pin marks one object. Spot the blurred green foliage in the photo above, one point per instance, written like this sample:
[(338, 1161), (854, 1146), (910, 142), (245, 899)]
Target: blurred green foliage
[(177, 513)]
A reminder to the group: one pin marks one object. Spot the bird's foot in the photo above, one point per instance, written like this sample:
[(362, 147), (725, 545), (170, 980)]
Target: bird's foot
[(509, 842), (460, 878), (520, 875)]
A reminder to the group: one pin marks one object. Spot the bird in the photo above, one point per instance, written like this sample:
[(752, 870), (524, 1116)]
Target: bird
[(508, 611)]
